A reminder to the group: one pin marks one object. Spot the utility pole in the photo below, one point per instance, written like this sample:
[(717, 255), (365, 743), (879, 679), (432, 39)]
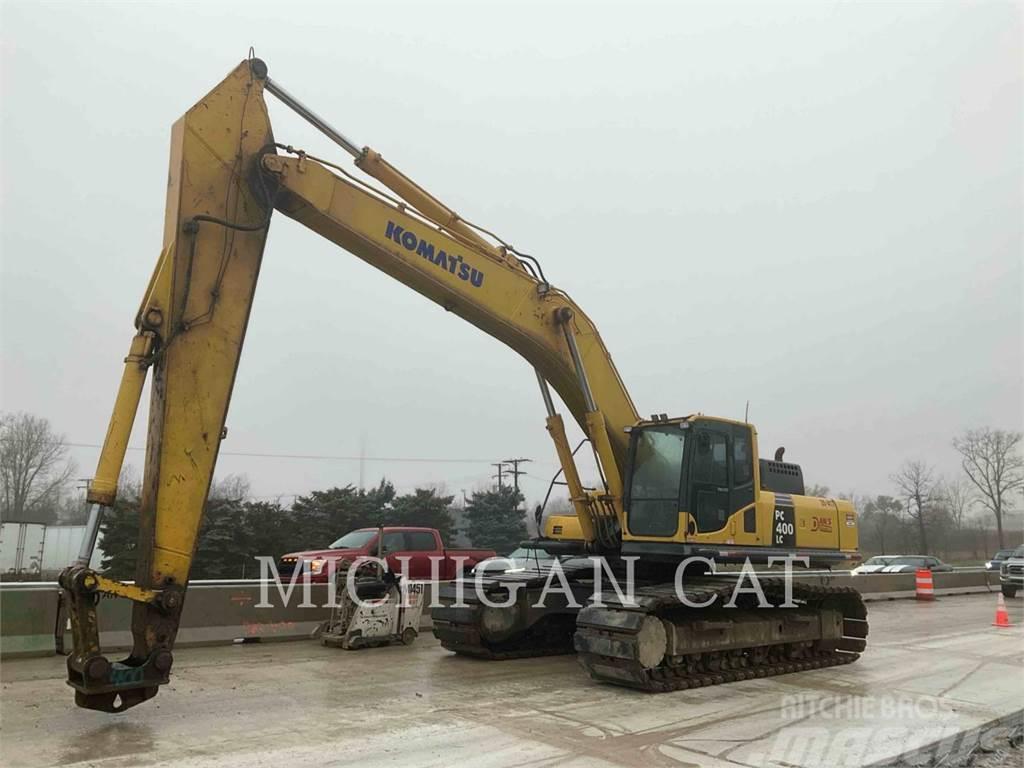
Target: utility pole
[(501, 467), (516, 471), (362, 460)]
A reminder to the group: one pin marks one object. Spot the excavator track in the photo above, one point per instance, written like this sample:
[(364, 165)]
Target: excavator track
[(468, 627), (471, 644), (609, 639), (618, 643)]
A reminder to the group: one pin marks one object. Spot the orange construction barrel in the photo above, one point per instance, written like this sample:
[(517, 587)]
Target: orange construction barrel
[(925, 585)]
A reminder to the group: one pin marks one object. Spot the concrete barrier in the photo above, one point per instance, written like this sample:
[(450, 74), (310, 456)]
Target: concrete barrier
[(219, 612), (216, 612), (889, 586)]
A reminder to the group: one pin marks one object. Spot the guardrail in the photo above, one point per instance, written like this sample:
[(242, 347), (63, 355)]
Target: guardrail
[(225, 611)]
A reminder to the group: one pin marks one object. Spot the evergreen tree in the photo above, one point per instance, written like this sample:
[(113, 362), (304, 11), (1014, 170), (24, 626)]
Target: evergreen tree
[(318, 514), (235, 531), (371, 508), (495, 520), (424, 507), (323, 516), (119, 533), (223, 541), (270, 531)]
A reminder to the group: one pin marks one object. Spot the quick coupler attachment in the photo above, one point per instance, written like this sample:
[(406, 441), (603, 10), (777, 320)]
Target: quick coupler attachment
[(116, 686), (99, 683)]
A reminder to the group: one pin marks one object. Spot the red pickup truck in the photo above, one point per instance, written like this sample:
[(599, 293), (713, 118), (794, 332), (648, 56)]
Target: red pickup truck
[(426, 554)]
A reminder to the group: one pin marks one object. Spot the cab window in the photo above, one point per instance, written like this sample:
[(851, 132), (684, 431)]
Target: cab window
[(709, 500), (742, 469), (721, 477), (420, 541), (656, 481), (743, 466)]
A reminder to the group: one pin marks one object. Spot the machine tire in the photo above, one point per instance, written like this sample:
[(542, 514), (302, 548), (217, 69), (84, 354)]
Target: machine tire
[(1009, 591), (409, 636), (354, 641)]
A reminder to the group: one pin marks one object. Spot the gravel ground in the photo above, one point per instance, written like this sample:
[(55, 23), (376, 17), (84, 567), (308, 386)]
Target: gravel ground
[(1012, 757), (998, 749)]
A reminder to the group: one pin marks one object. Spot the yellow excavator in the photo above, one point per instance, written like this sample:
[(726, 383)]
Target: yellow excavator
[(671, 491)]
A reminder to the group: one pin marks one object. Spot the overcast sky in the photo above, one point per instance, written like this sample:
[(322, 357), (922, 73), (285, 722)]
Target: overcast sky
[(814, 207)]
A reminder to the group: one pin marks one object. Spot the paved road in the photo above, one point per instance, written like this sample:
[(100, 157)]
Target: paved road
[(931, 671)]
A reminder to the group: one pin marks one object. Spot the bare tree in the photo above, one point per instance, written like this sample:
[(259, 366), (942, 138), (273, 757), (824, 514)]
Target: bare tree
[(993, 463), (814, 489), (916, 481), (72, 510), (959, 497), (939, 522), (34, 468), (230, 488), (979, 527), (882, 518)]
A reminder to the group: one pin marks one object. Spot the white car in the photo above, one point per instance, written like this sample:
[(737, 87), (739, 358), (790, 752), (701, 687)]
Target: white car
[(519, 560), (873, 564), (913, 563)]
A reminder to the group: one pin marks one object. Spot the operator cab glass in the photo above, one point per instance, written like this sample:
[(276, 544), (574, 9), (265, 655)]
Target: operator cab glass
[(704, 467), (656, 480)]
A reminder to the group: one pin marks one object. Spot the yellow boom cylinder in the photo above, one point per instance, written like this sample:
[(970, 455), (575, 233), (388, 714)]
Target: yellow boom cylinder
[(103, 489), (371, 162)]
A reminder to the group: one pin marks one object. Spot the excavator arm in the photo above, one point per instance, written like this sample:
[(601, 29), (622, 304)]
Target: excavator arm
[(226, 178)]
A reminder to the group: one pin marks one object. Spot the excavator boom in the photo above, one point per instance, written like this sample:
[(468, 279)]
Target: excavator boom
[(225, 180)]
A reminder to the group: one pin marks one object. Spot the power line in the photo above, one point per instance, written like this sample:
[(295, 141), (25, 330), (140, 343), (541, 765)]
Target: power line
[(320, 457), (329, 457)]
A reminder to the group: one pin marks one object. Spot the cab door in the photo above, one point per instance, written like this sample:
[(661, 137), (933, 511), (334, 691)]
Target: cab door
[(720, 482), (709, 480)]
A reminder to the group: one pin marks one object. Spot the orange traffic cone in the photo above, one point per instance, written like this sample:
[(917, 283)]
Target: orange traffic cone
[(925, 585), (1002, 617)]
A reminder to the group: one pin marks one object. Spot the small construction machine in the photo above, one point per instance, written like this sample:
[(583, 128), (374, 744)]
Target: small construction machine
[(670, 488), (377, 611), (373, 607)]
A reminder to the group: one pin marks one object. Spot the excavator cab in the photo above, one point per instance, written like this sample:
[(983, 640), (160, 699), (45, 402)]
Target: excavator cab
[(703, 466), (693, 487)]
